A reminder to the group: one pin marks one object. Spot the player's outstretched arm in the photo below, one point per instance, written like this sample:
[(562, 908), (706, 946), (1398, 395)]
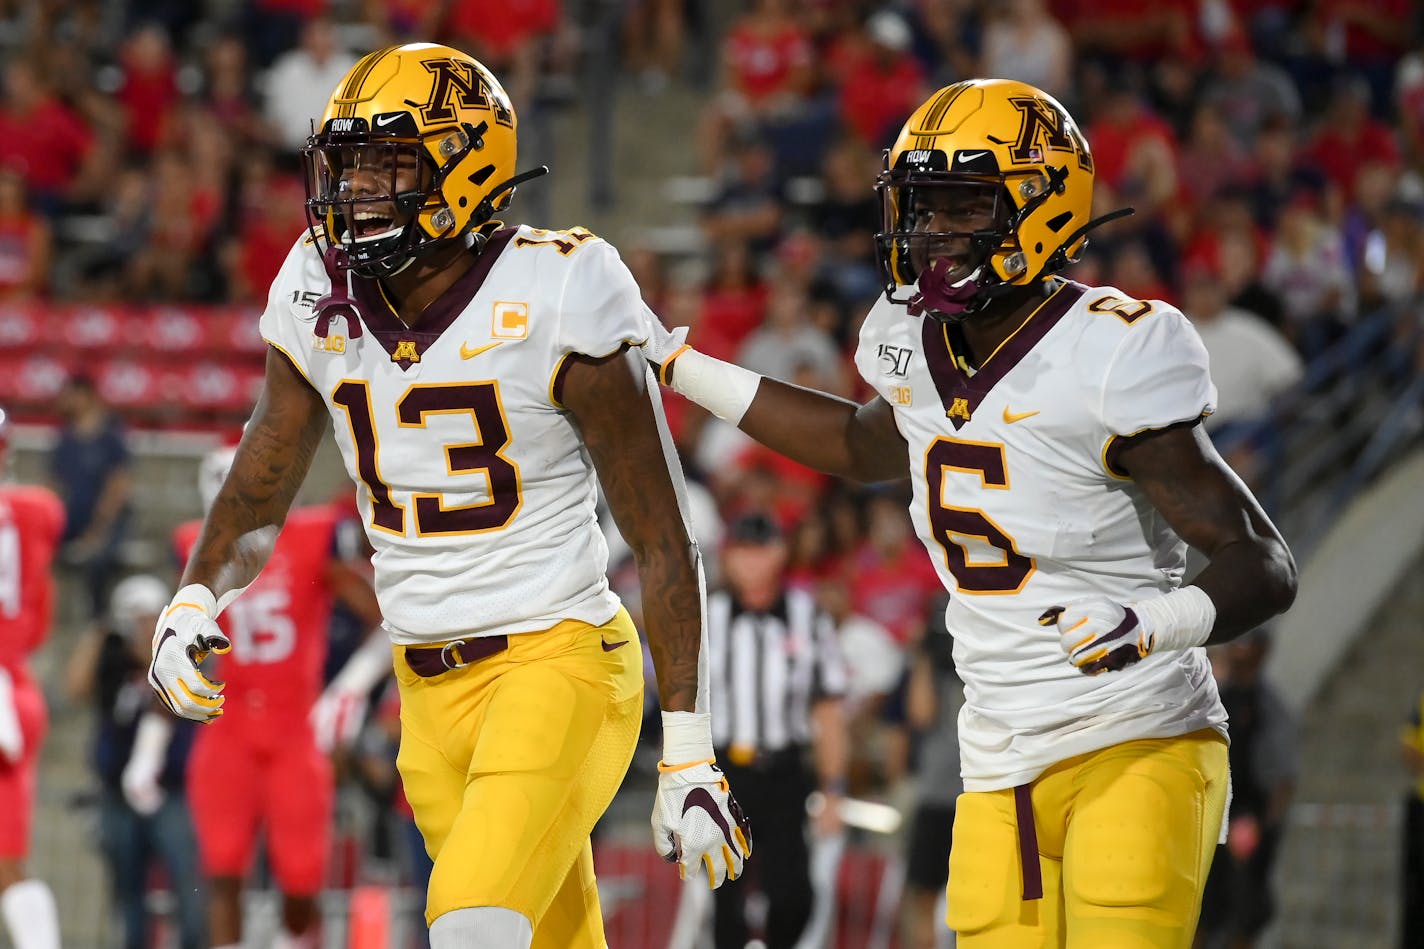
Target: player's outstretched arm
[(237, 537), (696, 821), (1249, 578), (819, 430)]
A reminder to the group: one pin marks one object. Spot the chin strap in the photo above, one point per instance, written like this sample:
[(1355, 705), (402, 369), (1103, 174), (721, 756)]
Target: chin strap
[(338, 301), (1059, 258), (485, 209)]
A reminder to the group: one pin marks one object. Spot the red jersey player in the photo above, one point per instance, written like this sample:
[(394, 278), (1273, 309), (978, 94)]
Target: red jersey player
[(31, 521), (262, 768)]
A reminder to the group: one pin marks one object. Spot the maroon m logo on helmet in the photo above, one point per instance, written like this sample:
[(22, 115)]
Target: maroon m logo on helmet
[(462, 80), (1045, 129)]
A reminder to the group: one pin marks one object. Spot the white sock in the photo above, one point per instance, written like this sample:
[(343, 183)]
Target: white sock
[(30, 915), (481, 927)]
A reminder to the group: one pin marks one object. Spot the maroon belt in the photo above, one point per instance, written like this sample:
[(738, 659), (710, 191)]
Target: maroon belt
[(1028, 844), (427, 661)]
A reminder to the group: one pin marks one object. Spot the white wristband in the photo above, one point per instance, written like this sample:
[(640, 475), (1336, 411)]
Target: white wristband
[(724, 389), (687, 737), (1178, 620)]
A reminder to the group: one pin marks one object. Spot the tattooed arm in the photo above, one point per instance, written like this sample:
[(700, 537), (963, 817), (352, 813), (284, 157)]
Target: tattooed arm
[(1251, 575), (616, 418), (271, 462)]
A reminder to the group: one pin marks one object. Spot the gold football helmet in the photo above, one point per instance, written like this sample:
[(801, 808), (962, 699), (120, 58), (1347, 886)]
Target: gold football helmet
[(1011, 152), (416, 147)]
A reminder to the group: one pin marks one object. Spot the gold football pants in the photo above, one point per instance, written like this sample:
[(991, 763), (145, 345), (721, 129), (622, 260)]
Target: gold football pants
[(1125, 838), (510, 761)]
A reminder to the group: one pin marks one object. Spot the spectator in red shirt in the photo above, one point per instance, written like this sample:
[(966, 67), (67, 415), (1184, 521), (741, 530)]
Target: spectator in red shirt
[(40, 137), (178, 227), (881, 83), (1212, 160), (1134, 152), (24, 242), (148, 90), (269, 213), (733, 304), (892, 579), (229, 95), (1117, 31), (767, 61), (1349, 137)]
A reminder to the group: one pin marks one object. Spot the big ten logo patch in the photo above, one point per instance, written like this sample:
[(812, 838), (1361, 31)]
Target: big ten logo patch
[(509, 320), (900, 395), (333, 343)]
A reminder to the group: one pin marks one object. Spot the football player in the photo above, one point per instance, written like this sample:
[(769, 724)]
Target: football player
[(476, 376), (264, 769), (31, 522), (1051, 433)]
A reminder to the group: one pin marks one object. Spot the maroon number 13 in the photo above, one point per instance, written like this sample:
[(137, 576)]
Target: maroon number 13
[(480, 400)]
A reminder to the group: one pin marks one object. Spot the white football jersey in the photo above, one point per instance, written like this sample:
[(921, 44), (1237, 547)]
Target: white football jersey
[(1018, 503), (477, 492)]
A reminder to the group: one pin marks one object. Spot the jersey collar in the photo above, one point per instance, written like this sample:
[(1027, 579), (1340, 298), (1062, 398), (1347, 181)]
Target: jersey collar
[(380, 318), (960, 391)]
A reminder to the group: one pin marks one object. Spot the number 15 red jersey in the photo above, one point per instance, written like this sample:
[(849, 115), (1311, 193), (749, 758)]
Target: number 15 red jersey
[(278, 626)]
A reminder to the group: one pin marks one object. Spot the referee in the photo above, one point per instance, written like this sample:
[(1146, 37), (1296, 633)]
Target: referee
[(776, 680)]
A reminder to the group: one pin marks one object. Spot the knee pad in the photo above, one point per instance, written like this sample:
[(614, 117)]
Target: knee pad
[(481, 927)]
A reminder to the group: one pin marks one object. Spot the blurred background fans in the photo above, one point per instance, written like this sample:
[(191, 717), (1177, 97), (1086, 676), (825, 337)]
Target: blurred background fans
[(1274, 150)]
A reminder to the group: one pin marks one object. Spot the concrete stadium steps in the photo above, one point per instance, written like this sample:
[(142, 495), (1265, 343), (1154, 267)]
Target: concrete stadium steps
[(1338, 870)]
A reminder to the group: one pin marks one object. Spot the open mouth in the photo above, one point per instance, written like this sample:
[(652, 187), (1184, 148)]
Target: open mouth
[(371, 225), (958, 265)]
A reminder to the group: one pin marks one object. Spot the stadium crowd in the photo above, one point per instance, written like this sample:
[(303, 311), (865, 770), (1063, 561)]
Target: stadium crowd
[(1273, 150)]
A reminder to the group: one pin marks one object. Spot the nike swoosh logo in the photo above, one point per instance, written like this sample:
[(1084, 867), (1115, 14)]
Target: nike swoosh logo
[(701, 797), (609, 647), (468, 353), (1011, 418), (969, 156), (384, 120)]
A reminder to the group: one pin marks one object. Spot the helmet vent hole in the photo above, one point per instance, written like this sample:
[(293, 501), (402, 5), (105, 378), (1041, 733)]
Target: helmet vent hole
[(1038, 248), (464, 201), (481, 176), (1056, 224)]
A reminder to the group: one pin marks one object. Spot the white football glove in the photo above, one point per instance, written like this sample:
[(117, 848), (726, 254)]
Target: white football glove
[(696, 820), (187, 632), (12, 739), (662, 345), (1099, 635)]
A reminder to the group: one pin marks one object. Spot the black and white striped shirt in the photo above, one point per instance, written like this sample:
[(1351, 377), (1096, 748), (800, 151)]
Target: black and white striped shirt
[(768, 668)]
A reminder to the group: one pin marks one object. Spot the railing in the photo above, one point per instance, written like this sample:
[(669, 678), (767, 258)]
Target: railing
[(1357, 409)]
